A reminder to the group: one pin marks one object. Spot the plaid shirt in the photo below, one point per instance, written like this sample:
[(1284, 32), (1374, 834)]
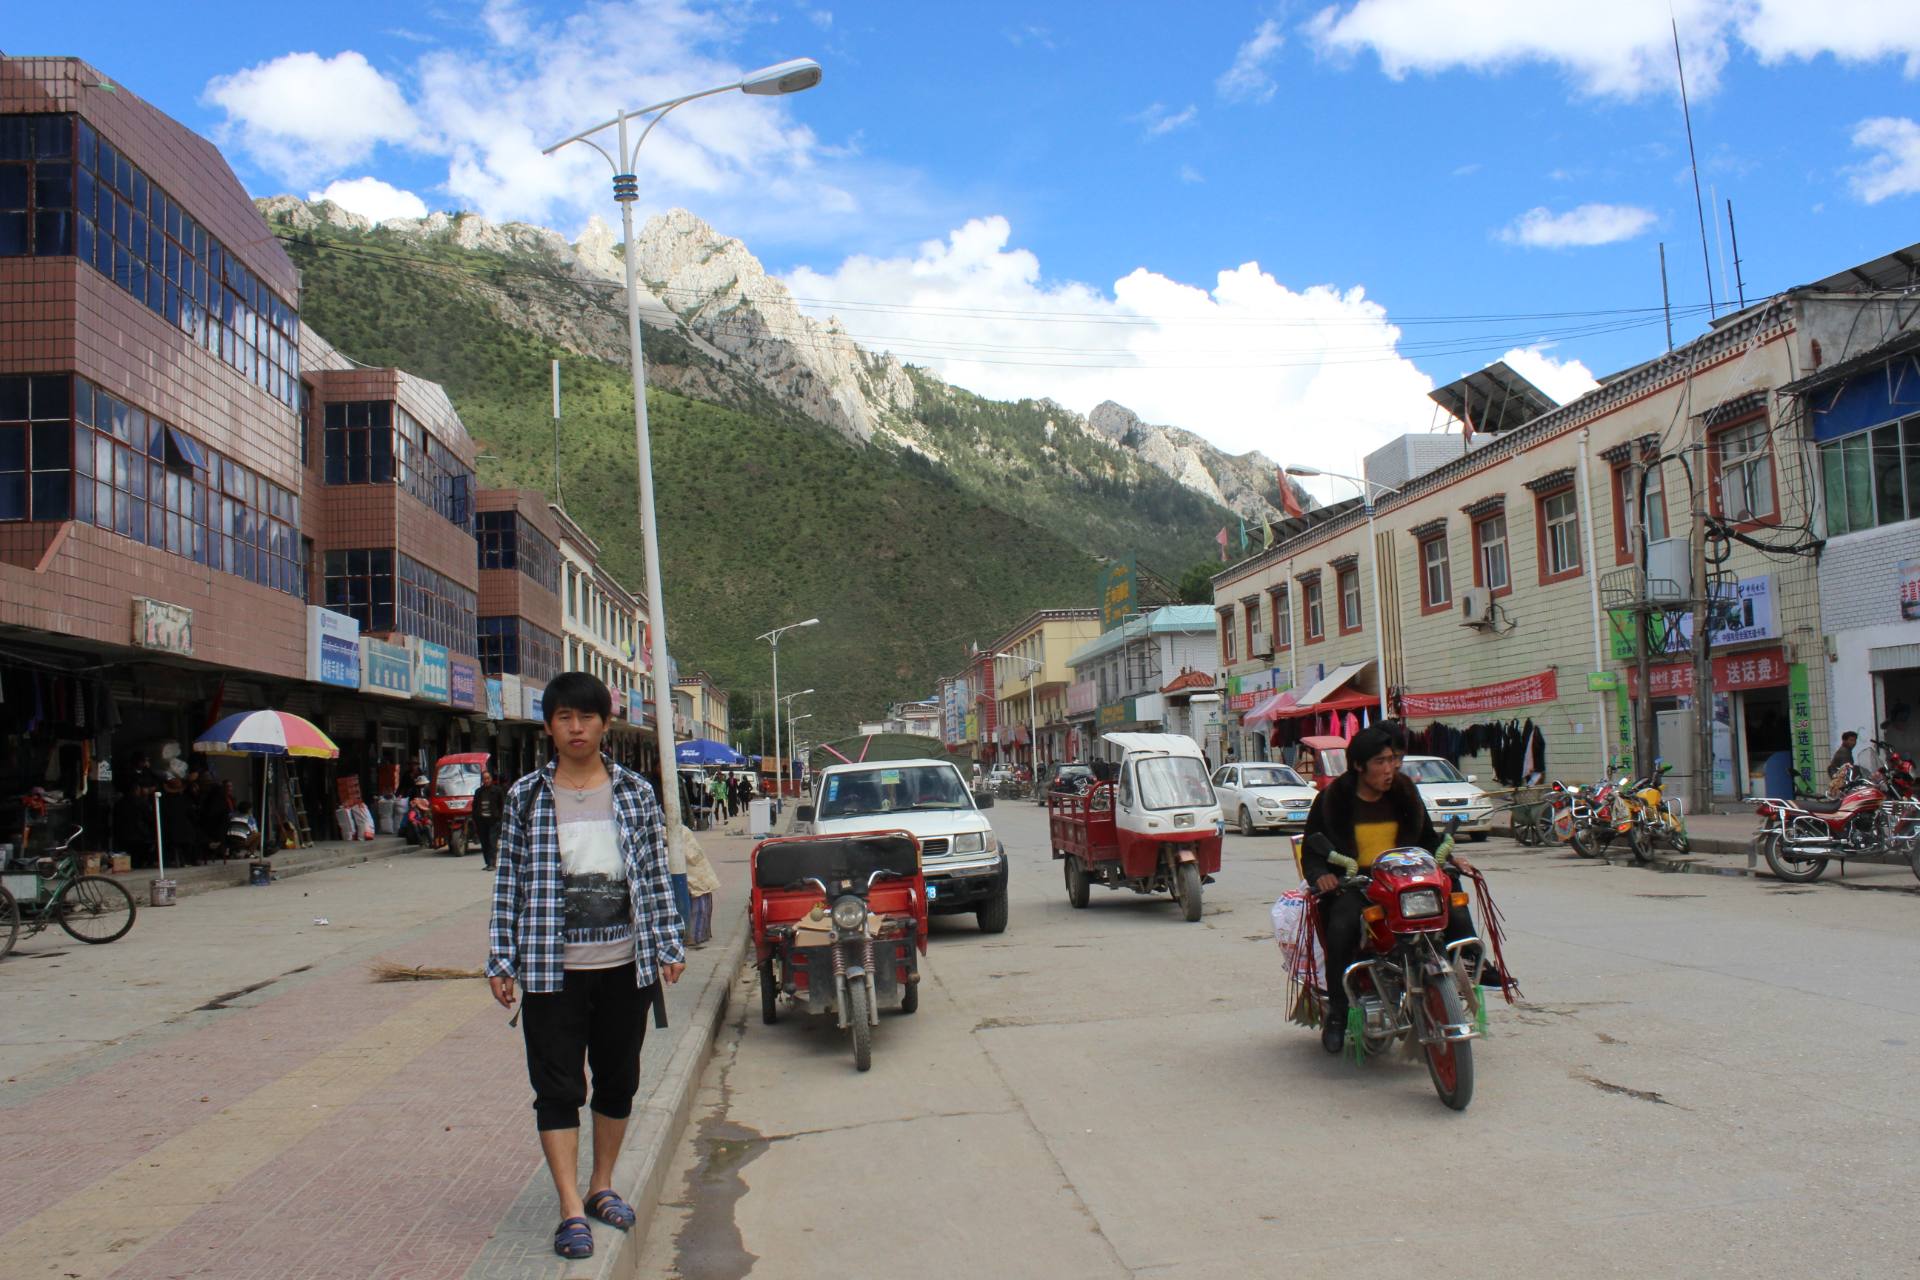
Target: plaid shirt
[(525, 934)]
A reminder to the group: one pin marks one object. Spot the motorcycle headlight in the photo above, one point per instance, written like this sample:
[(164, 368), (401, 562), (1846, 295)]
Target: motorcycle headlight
[(970, 842), (849, 915), (1415, 903)]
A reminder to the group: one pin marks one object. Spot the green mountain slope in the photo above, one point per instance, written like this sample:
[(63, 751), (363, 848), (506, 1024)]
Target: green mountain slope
[(764, 518)]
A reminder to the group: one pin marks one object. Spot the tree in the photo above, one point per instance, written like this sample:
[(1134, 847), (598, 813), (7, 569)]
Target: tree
[(1196, 584)]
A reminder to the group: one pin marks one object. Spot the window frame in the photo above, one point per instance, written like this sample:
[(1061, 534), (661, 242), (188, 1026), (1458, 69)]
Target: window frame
[(1227, 636), (1544, 525), (1282, 598), (1717, 470), (1250, 607), (1341, 583), (1625, 522), (1480, 574), (1428, 603), (1313, 609), (1863, 443)]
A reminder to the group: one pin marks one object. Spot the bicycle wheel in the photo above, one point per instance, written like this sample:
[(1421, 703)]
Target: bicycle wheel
[(95, 909), (9, 921)]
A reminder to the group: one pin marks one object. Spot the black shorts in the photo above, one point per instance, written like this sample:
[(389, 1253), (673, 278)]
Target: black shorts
[(597, 1021)]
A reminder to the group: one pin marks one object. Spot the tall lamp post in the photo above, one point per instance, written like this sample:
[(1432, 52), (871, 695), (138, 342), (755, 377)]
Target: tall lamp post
[(773, 638), (787, 702), (1033, 719), (792, 720), (786, 77), (1367, 489)]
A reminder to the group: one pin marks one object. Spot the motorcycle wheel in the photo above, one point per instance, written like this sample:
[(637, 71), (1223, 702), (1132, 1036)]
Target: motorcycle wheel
[(457, 841), (1792, 870), (1677, 837), (1640, 843), (1449, 1063), (1077, 889), (910, 998), (769, 994), (859, 1023), (1187, 890), (1583, 843)]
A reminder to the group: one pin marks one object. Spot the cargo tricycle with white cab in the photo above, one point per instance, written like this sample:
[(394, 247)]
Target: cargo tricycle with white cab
[(1155, 828)]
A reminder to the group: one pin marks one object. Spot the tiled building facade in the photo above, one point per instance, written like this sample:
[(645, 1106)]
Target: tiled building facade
[(197, 492)]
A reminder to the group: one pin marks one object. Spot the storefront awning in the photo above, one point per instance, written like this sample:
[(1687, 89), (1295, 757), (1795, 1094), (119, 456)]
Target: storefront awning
[(1320, 697), (1271, 709)]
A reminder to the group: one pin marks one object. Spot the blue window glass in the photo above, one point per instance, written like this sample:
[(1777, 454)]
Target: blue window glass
[(13, 398), (13, 234), (83, 245), (83, 450), (89, 144), (13, 496), (53, 137), (83, 501), (86, 193), (53, 186), (15, 141), (50, 496), (13, 448), (51, 397), (13, 186), (53, 234), (52, 446)]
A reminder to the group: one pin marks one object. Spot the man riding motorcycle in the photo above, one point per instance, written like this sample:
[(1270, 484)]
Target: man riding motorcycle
[(1364, 812)]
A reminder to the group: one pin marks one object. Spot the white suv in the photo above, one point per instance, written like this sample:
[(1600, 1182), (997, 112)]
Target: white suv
[(965, 865)]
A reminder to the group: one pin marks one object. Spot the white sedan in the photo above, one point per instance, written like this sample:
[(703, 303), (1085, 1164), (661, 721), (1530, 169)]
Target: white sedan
[(1448, 795), (1262, 796)]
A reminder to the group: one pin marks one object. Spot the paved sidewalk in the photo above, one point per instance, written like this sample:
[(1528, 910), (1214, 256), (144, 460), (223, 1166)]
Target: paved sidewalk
[(247, 1102)]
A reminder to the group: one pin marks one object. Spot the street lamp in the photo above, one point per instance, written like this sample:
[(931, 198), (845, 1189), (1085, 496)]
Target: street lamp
[(792, 720), (1033, 720), (788, 700), (1367, 490), (773, 637), (785, 77)]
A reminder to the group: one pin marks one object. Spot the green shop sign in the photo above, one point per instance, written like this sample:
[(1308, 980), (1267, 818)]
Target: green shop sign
[(1116, 594), (1800, 718), (1112, 715)]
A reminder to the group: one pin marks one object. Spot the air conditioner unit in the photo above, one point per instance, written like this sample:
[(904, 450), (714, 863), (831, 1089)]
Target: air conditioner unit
[(1476, 607), (1262, 648)]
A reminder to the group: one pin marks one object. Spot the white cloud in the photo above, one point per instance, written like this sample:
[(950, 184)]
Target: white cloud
[(1247, 79), (1895, 171), (1564, 380), (1623, 48), (1190, 174), (487, 109), (1308, 375), (1159, 122), (821, 18), (1582, 227), (305, 116), (371, 198)]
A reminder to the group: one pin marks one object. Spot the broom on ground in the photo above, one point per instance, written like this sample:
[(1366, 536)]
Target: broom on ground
[(386, 971)]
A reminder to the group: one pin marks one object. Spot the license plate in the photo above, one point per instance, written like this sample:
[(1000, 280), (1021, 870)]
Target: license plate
[(933, 891), (1296, 815)]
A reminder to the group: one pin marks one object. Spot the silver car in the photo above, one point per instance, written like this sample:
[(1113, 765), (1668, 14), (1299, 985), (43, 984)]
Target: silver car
[(1259, 795)]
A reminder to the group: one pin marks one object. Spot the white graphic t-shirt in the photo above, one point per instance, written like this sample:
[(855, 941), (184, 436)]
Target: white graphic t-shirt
[(598, 933)]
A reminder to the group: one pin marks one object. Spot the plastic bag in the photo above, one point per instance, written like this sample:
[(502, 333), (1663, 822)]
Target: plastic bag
[(1289, 911)]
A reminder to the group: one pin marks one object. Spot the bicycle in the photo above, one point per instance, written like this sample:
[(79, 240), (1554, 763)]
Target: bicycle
[(92, 909)]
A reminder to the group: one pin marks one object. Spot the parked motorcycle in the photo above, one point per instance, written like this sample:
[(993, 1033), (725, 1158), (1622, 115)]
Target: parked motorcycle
[(1598, 816), (1799, 837), (1654, 819), (1410, 987)]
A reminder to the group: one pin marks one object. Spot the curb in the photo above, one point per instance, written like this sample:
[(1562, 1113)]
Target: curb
[(658, 1123), (233, 875)]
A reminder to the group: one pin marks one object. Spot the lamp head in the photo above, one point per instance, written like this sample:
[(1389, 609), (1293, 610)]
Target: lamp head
[(1301, 471), (782, 77)]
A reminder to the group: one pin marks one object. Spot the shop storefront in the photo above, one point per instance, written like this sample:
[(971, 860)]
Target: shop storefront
[(1753, 721)]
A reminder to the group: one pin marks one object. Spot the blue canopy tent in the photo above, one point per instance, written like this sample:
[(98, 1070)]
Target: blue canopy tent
[(702, 751)]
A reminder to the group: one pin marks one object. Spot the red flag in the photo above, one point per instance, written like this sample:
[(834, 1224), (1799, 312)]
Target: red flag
[(1221, 538), (1289, 505)]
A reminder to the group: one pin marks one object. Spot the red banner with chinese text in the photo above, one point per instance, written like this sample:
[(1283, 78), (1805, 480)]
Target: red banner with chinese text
[(1760, 669), (1526, 690)]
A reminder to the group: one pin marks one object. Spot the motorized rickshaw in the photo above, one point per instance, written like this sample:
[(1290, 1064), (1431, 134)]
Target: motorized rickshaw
[(1155, 829), (1321, 759), (455, 779), (839, 923)]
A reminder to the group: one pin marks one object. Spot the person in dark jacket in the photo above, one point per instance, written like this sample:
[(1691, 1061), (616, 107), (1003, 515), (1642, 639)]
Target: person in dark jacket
[(1364, 812), (489, 803)]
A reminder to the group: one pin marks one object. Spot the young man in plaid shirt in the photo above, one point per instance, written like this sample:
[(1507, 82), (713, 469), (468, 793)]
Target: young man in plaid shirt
[(584, 921)]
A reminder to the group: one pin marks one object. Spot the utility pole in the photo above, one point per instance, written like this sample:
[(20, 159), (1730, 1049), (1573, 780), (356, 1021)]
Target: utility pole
[(1646, 734), (1702, 799)]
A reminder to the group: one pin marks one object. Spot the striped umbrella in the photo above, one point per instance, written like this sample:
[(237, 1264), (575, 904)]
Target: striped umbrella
[(267, 733)]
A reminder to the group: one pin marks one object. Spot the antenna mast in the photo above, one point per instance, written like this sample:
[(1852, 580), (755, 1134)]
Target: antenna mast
[(1693, 162)]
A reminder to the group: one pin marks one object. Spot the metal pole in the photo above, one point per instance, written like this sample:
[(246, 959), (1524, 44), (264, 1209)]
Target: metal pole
[(1379, 618), (779, 769), (1593, 593), (625, 193)]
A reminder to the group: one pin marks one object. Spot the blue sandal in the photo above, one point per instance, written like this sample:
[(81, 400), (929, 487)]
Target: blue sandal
[(611, 1209), (574, 1239)]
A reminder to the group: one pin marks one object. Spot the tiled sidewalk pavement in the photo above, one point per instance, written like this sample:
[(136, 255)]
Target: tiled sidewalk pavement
[(328, 1126)]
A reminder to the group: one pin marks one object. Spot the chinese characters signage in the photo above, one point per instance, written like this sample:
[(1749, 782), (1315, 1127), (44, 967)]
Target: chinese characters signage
[(385, 668), (1800, 717), (1762, 669), (1116, 594), (1112, 715), (429, 669), (463, 682), (162, 626), (333, 648), (1525, 691), (1910, 590)]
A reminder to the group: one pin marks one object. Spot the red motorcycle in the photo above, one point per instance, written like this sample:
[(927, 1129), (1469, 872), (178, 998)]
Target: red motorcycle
[(1411, 987), (1870, 819)]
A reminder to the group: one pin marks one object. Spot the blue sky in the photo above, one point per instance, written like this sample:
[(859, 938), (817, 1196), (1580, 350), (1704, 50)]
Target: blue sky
[(1043, 199)]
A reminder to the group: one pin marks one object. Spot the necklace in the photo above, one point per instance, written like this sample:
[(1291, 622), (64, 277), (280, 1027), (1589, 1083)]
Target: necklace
[(579, 789)]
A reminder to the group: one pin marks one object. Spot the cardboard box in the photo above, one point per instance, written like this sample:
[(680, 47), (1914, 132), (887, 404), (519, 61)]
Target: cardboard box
[(90, 863), (119, 864)]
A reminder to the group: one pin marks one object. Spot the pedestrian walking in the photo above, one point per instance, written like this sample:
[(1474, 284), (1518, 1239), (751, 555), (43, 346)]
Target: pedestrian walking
[(584, 923), (489, 803)]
